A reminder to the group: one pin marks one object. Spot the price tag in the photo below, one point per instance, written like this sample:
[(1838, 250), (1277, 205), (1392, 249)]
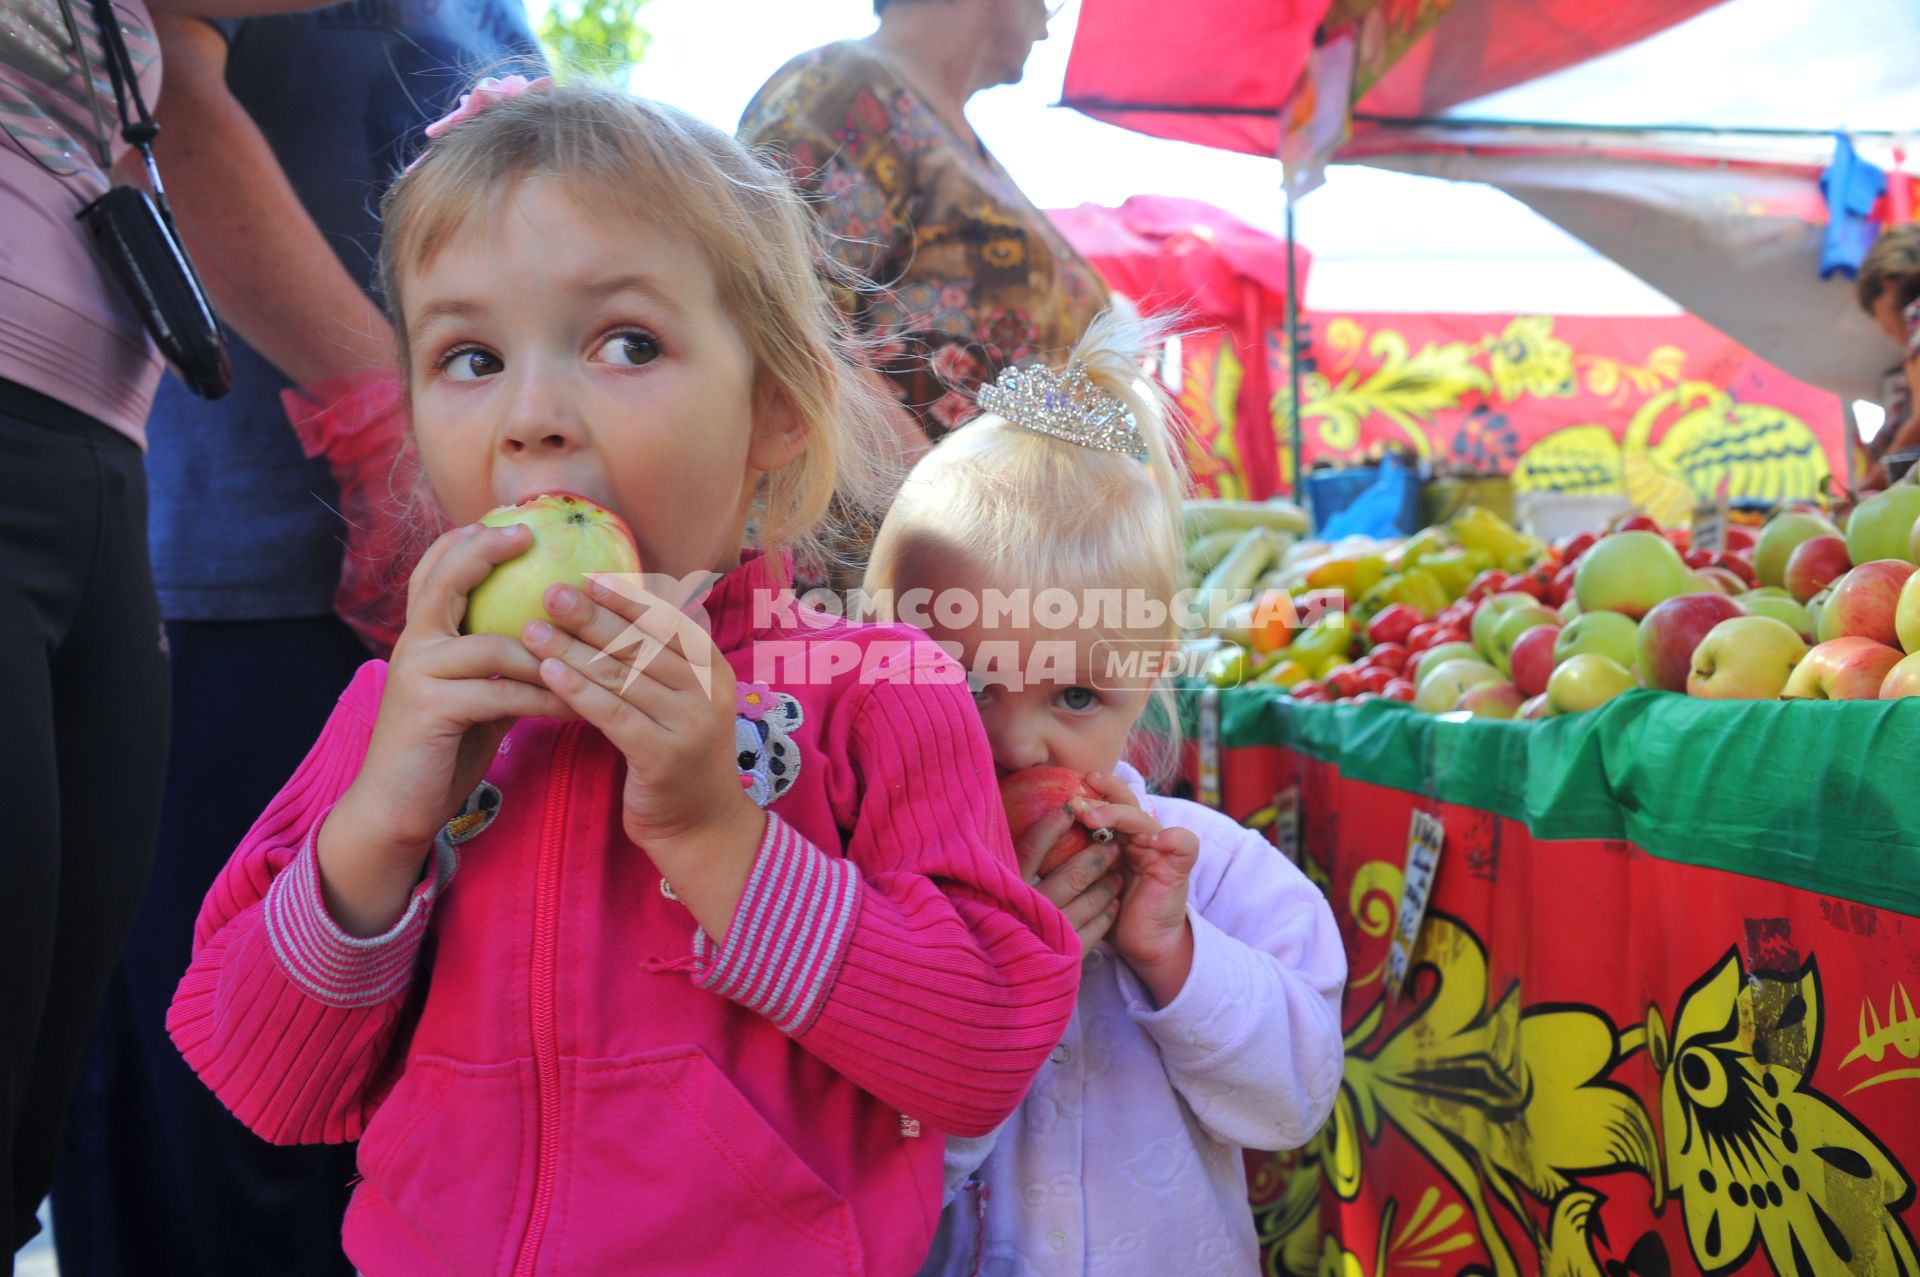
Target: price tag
[(1710, 527), (1209, 786), (1286, 822), (1425, 836)]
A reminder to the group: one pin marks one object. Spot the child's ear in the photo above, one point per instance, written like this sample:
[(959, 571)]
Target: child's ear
[(779, 434)]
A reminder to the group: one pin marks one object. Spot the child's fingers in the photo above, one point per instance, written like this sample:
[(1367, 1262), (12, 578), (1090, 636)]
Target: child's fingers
[(1082, 872), (1096, 930), (1087, 907), (618, 718), (482, 656), (437, 596), (1112, 788), (635, 684), (622, 618), (477, 701), (1122, 819), (1031, 848)]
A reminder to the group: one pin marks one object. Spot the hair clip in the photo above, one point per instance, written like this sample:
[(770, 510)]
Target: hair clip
[(1066, 406), (489, 92)]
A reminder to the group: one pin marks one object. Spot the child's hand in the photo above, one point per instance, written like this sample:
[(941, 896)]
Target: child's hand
[(1151, 933), (449, 699), (631, 664), (1086, 888)]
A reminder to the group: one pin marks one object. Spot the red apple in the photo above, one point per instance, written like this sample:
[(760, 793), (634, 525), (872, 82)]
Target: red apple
[(1670, 632), (1375, 679), (1344, 682), (1391, 657), (1392, 624), (1842, 669), (1637, 523), (1815, 564), (1311, 690), (1536, 708), (1031, 793), (1562, 586), (1491, 700), (1531, 658), (1737, 538), (1720, 580), (1492, 581), (1698, 558), (1399, 689), (572, 536), (1866, 601), (1570, 548), (1740, 564)]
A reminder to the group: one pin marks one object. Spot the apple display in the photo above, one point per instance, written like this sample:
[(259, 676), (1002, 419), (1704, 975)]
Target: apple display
[(1815, 564), (572, 536), (1670, 632), (1032, 792), (1491, 611), (1434, 657), (1866, 601), (1844, 669), (1881, 527), (1536, 708), (1745, 658), (1607, 634), (1628, 573), (1720, 581), (1442, 686), (1778, 539), (1585, 682)]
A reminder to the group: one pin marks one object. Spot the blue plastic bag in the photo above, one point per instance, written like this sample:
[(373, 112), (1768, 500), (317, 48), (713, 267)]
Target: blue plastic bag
[(1379, 511)]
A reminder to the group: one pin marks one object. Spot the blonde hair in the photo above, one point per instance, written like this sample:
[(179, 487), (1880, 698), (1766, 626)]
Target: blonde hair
[(1031, 510), (665, 168)]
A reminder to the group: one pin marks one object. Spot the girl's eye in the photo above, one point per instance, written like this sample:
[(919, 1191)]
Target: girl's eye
[(630, 350), (469, 363), (1078, 699)]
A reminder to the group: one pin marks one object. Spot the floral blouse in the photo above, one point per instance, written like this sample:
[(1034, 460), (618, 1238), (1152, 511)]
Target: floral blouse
[(965, 276)]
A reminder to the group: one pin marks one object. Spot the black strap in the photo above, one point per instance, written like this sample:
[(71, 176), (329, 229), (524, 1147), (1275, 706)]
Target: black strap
[(138, 133)]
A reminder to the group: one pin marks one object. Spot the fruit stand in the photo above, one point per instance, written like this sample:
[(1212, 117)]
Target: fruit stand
[(1657, 1017)]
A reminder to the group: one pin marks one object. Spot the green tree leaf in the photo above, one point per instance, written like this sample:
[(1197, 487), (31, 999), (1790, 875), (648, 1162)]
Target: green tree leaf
[(601, 39)]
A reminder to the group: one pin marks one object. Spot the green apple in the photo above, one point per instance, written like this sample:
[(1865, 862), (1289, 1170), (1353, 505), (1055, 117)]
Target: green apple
[(1439, 654), (1569, 609), (1491, 700), (1630, 572), (1777, 541), (1607, 634), (1906, 614), (1445, 683), (572, 536), (1902, 680), (1747, 658), (1586, 681), (1492, 610), (1881, 527), (1778, 604)]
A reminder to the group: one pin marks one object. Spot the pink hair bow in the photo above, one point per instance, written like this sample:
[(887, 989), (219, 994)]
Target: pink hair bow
[(489, 92)]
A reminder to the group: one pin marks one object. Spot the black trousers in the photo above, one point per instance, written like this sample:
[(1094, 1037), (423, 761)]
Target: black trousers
[(156, 1176), (83, 741)]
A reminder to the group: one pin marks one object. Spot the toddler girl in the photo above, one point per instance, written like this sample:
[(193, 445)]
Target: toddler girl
[(615, 956), (1209, 1011)]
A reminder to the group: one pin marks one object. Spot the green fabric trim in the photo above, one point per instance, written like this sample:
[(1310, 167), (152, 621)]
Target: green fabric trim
[(1821, 796)]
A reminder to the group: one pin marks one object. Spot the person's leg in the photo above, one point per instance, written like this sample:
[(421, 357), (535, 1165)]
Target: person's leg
[(156, 1175), (37, 567), (77, 541)]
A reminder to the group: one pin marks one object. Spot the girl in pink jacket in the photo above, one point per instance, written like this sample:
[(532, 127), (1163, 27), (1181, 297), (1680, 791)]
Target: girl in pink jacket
[(629, 944), (1209, 1009)]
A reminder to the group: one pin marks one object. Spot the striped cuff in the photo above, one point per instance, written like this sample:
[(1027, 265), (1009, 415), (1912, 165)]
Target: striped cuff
[(336, 969), (784, 947)]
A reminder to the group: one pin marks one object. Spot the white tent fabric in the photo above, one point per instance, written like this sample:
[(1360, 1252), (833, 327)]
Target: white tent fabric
[(1727, 225)]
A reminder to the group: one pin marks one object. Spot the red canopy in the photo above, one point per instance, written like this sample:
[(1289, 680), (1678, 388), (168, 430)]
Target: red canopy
[(1182, 256), (1219, 72)]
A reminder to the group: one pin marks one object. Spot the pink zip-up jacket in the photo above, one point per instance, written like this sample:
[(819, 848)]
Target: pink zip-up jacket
[(550, 1069)]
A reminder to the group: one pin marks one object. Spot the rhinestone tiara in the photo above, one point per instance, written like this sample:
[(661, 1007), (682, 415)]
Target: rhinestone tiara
[(1065, 405)]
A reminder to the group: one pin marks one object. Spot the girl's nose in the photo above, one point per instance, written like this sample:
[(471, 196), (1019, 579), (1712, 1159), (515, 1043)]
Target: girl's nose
[(1016, 746), (537, 421)]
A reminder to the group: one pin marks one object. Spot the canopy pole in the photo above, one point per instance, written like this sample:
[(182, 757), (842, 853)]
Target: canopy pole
[(1293, 350)]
